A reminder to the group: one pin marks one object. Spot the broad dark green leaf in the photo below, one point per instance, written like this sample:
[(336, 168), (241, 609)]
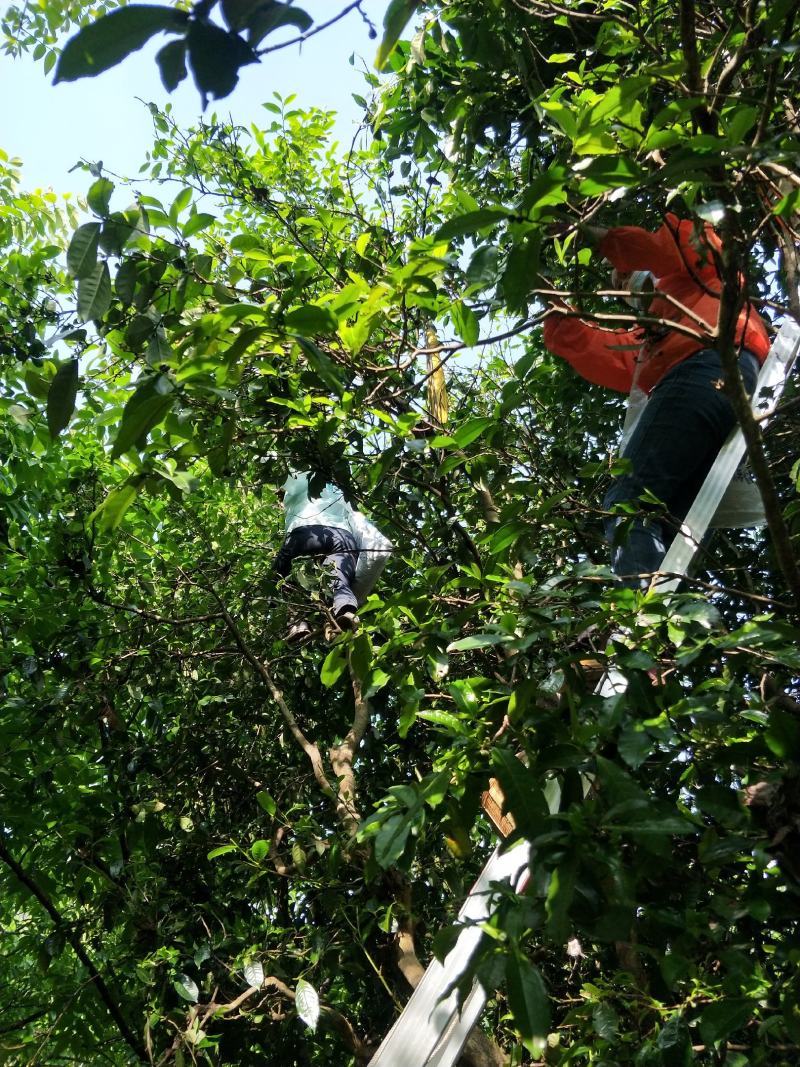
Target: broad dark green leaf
[(82, 251), (472, 222), (311, 320), (94, 293), (186, 988), (390, 841), (99, 196), (61, 397), (523, 791), (266, 802), (527, 997), (470, 431), (722, 1018), (395, 19), (145, 409), (106, 41), (306, 1002), (171, 61), (269, 17), (361, 656), (215, 57), (322, 364)]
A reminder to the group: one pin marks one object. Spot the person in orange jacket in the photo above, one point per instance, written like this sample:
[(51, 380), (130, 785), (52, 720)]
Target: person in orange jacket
[(672, 276)]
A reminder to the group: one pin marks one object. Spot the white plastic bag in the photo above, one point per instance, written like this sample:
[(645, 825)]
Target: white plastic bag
[(373, 553)]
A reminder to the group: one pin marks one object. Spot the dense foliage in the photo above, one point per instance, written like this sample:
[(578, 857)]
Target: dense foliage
[(218, 848)]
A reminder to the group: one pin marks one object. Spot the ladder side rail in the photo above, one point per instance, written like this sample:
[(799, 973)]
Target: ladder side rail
[(427, 1016), (769, 387)]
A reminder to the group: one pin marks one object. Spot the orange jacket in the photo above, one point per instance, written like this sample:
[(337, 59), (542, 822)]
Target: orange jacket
[(681, 259)]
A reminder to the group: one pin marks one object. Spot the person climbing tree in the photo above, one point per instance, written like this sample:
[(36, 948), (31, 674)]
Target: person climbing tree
[(669, 359), (326, 526)]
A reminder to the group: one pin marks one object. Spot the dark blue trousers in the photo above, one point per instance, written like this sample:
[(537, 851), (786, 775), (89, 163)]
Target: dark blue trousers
[(339, 550), (686, 421)]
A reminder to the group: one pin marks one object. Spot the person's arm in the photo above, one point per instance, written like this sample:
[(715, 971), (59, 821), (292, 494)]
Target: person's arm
[(604, 357)]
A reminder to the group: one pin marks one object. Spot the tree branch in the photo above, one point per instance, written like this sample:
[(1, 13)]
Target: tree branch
[(76, 945)]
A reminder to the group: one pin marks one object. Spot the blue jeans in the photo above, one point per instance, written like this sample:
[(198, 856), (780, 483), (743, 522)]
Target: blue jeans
[(685, 423), (340, 551)]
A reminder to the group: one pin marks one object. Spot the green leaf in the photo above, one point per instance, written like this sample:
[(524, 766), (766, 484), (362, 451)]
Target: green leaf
[(94, 293), (560, 893), (311, 319), (112, 511), (321, 363), (522, 791), (106, 41), (394, 22), (634, 745), (254, 974), (306, 1002), (215, 57), (471, 430), (605, 1022), (266, 802), (390, 841), (61, 397), (145, 409), (99, 196), (333, 666), (195, 223), (472, 222), (186, 987), (719, 1020), (222, 850), (259, 850), (171, 60), (269, 17), (527, 998), (82, 251), (465, 323), (361, 656), (466, 644)]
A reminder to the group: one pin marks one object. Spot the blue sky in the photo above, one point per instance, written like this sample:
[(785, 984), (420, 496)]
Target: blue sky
[(50, 127)]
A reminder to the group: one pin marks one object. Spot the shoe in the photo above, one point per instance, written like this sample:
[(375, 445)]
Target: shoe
[(346, 617), (298, 632)]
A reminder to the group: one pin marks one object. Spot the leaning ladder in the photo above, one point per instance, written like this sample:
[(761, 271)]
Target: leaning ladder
[(432, 1028)]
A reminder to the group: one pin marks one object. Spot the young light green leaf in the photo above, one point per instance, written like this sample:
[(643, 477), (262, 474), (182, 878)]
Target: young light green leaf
[(307, 1003), (145, 409), (465, 323), (259, 850), (112, 511), (333, 666), (106, 41), (394, 22), (61, 397), (82, 251), (467, 644), (266, 802), (195, 223), (222, 850), (94, 293)]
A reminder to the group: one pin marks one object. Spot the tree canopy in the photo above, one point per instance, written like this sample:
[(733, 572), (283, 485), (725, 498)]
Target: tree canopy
[(217, 848)]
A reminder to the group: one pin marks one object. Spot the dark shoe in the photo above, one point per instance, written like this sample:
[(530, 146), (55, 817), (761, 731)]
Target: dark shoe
[(298, 632), (346, 617)]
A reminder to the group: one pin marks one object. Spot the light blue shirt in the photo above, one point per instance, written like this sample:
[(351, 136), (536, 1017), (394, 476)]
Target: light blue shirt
[(328, 509)]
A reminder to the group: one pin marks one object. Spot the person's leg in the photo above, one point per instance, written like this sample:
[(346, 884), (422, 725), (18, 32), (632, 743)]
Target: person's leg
[(341, 558), (685, 423)]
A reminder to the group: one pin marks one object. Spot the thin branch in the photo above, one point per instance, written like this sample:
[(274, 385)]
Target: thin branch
[(76, 945)]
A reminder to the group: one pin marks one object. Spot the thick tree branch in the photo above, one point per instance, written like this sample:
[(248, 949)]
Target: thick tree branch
[(343, 755)]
